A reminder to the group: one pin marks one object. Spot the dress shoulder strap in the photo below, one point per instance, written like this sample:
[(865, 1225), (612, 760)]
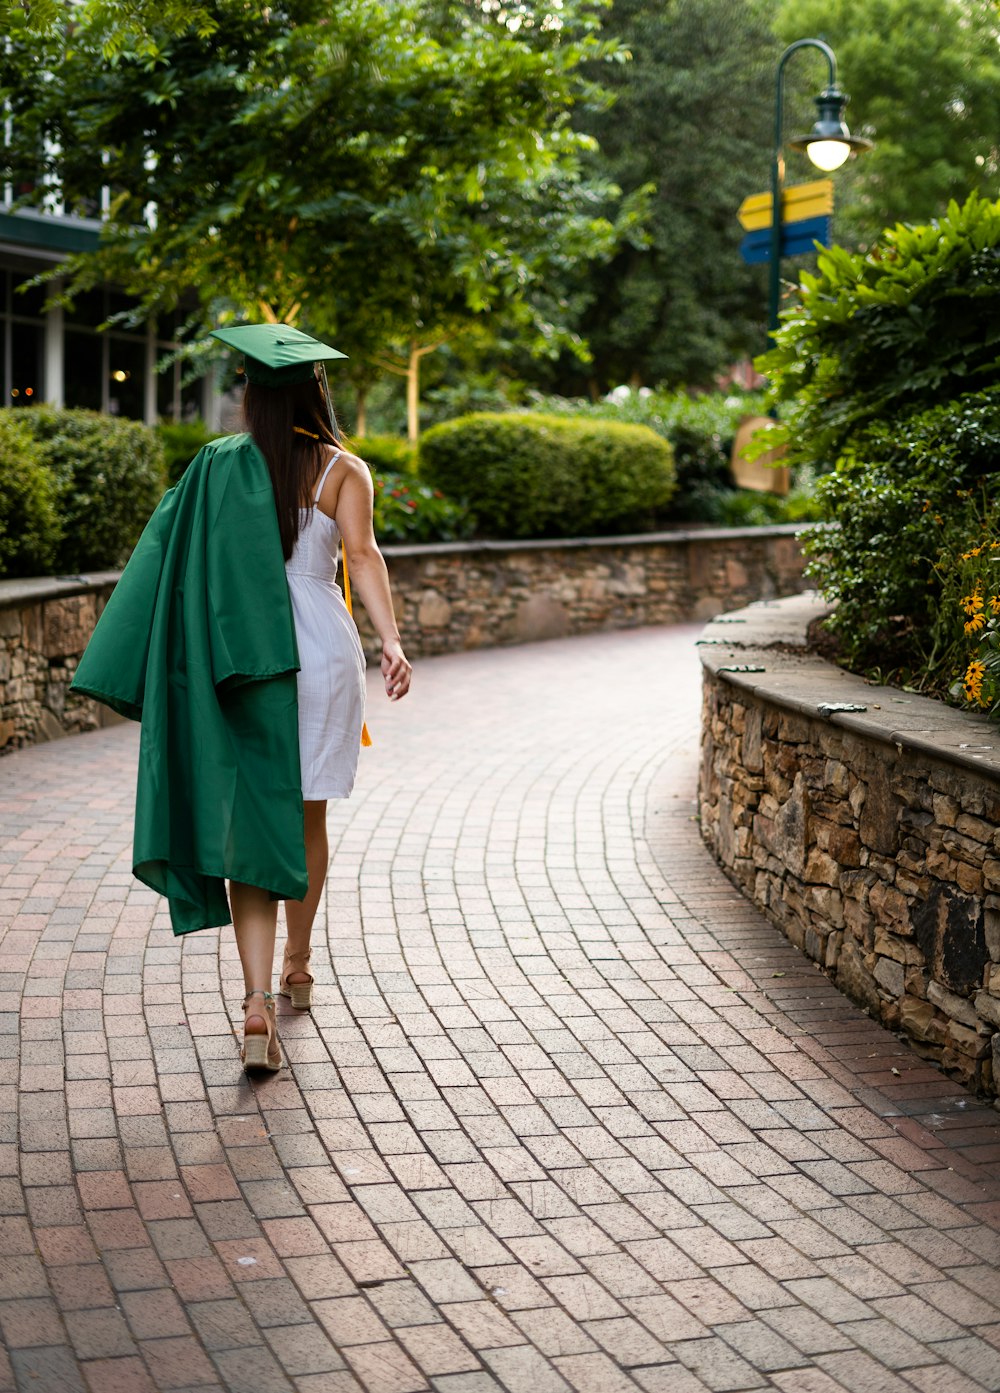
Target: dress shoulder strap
[(322, 478)]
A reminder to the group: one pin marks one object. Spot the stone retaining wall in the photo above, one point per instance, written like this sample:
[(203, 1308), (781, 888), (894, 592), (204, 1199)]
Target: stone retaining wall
[(870, 836), (449, 597), (480, 595), (44, 627)]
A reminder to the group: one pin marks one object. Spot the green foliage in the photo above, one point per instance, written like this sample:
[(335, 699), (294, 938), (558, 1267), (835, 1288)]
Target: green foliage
[(181, 441), (914, 323), (29, 522), (387, 173), (748, 508), (968, 618), (116, 22), (537, 475), (689, 132), (700, 429), (901, 492), (385, 453), (109, 476), (408, 512), (924, 79)]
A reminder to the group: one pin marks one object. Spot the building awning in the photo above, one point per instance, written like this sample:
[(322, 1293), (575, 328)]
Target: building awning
[(48, 232)]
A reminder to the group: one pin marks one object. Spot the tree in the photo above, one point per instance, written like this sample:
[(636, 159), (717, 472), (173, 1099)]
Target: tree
[(117, 23), (691, 117), (924, 82), (384, 171)]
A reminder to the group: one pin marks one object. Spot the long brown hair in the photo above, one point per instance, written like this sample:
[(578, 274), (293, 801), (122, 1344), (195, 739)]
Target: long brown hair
[(271, 415)]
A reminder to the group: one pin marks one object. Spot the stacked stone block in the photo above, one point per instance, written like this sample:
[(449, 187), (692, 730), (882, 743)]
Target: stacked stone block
[(41, 640), (880, 860), (449, 598)]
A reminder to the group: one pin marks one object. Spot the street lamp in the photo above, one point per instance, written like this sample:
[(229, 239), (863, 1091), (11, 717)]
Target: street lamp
[(828, 145)]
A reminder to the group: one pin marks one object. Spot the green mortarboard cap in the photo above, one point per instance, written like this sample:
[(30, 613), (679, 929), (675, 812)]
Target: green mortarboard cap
[(276, 354)]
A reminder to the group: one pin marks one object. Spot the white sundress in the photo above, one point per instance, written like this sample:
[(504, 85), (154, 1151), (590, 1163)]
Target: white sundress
[(331, 677)]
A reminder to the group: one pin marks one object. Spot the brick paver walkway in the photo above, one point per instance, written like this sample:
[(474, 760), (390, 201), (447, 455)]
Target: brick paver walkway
[(569, 1114)]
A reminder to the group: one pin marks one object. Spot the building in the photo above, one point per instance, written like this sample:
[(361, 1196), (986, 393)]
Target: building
[(60, 357)]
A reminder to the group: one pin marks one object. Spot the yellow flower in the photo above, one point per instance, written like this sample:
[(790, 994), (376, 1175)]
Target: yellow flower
[(972, 682), (977, 622), (968, 555), (972, 604), (995, 604)]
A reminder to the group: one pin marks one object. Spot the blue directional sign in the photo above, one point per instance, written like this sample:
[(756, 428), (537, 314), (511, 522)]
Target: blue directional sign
[(796, 239)]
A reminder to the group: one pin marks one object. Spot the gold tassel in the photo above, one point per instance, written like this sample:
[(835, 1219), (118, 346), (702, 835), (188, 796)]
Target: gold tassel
[(366, 739)]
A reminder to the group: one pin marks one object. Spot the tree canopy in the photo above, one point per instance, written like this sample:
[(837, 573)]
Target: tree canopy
[(386, 170), (691, 118), (563, 174), (924, 82)]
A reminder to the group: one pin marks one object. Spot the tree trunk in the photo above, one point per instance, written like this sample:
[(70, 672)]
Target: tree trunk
[(361, 411), (413, 393)]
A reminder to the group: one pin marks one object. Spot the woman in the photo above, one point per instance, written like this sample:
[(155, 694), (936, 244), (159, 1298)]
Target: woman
[(228, 636), (323, 496)]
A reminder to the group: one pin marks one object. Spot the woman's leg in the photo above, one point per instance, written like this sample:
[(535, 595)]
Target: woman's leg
[(299, 914), (255, 917)]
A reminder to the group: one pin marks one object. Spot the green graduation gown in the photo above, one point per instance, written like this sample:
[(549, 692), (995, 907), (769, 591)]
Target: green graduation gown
[(198, 642)]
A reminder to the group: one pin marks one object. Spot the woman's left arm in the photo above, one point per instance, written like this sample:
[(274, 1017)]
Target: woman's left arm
[(353, 516)]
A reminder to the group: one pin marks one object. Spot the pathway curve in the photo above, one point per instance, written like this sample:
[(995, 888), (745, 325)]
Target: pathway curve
[(570, 1115)]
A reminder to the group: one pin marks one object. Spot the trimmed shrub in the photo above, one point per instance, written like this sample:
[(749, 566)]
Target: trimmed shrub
[(534, 475), (181, 441), (384, 453), (29, 522), (109, 476)]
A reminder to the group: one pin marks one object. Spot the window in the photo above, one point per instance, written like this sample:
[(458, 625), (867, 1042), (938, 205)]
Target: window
[(22, 334)]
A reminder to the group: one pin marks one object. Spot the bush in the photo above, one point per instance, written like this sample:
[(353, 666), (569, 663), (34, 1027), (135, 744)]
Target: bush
[(902, 492), (29, 522), (874, 368), (750, 508), (109, 476), (913, 323), (406, 511), (537, 475), (384, 453), (700, 430), (181, 441)]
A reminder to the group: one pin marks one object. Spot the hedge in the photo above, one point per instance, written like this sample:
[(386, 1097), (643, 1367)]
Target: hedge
[(534, 475), (181, 441), (29, 522), (108, 476), (386, 454)]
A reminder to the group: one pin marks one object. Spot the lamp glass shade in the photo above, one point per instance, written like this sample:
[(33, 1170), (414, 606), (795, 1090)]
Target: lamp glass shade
[(828, 154), (830, 143)]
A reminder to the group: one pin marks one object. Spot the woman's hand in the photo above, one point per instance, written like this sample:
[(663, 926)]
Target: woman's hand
[(395, 669)]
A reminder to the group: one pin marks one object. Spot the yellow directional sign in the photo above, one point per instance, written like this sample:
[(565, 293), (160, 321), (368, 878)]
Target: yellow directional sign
[(799, 202)]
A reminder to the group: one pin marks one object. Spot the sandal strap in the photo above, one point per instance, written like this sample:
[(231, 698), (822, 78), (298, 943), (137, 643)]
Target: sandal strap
[(259, 991), (302, 956)]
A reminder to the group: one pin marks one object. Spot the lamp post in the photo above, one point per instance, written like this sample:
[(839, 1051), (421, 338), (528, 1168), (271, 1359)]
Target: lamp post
[(828, 145)]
